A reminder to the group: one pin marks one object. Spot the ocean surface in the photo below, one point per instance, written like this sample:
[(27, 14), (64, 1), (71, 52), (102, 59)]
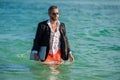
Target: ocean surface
[(93, 30)]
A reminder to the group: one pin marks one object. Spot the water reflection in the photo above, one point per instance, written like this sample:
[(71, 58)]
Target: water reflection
[(44, 72), (35, 71), (54, 71), (52, 77), (50, 71)]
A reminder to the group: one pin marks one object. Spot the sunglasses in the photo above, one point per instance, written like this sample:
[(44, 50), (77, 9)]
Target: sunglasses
[(55, 13)]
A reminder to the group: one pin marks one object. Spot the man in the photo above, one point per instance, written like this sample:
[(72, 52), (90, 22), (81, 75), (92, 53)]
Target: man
[(50, 43)]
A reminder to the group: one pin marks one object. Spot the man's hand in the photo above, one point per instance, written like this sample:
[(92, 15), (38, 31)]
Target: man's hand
[(71, 58), (36, 57)]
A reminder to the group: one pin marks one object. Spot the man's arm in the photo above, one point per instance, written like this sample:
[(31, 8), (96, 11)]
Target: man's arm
[(70, 53), (36, 43), (71, 57)]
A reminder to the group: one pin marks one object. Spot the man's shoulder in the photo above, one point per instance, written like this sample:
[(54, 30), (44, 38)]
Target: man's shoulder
[(62, 24), (43, 22)]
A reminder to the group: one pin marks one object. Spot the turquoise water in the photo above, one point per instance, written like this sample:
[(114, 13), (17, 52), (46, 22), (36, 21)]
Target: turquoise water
[(93, 29)]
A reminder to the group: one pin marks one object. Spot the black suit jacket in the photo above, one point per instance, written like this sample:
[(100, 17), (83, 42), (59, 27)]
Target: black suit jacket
[(42, 38)]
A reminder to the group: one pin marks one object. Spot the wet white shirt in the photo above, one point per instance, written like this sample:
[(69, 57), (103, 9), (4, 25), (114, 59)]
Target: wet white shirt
[(54, 38)]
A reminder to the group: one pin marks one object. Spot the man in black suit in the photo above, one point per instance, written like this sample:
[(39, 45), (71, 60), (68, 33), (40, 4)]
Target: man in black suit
[(51, 41)]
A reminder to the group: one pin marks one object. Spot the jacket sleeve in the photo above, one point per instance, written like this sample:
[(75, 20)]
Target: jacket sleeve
[(67, 41), (37, 39)]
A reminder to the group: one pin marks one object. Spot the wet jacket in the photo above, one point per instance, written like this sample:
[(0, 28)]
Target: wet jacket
[(42, 38)]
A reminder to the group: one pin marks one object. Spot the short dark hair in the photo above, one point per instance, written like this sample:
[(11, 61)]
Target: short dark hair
[(51, 8)]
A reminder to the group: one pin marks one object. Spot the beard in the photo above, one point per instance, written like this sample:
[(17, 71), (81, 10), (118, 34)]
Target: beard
[(54, 18)]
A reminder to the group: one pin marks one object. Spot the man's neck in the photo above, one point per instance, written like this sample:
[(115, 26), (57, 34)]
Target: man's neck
[(53, 22)]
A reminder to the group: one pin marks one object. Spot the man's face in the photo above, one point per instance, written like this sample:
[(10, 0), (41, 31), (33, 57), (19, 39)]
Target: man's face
[(54, 14)]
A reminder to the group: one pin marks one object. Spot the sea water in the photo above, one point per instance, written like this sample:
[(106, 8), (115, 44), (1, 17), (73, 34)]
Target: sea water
[(93, 30)]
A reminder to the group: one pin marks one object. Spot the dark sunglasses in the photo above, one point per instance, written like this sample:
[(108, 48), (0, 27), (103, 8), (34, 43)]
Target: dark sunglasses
[(55, 13)]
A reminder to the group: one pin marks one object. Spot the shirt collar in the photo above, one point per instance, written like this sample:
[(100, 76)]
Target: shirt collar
[(58, 23)]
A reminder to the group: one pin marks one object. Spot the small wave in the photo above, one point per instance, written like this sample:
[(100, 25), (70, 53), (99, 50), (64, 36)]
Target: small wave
[(12, 68)]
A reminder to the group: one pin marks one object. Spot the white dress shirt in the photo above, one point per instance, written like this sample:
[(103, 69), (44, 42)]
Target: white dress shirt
[(54, 38)]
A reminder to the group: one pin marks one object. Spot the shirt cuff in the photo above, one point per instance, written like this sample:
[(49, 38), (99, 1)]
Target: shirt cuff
[(70, 52), (34, 52)]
